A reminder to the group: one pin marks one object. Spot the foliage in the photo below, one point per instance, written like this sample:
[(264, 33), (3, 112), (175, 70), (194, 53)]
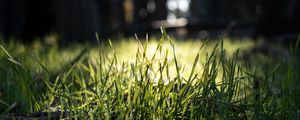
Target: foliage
[(153, 85)]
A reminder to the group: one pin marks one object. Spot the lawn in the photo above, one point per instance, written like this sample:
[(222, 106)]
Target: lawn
[(159, 78)]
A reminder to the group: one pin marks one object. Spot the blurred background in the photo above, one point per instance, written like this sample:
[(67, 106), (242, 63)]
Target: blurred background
[(78, 20)]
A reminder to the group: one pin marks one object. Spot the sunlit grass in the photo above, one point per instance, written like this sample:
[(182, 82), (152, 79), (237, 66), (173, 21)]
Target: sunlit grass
[(186, 51), (146, 79)]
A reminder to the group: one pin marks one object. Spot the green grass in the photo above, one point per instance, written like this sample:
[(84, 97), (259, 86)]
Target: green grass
[(151, 79)]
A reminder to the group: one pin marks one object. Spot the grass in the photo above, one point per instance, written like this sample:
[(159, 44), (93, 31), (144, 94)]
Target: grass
[(152, 79)]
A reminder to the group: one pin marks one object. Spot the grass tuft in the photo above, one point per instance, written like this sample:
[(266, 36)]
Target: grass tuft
[(153, 84)]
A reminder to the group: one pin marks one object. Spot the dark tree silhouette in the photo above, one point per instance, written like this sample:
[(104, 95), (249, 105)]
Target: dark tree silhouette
[(140, 21), (38, 20), (279, 18), (73, 20), (12, 17), (79, 20)]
